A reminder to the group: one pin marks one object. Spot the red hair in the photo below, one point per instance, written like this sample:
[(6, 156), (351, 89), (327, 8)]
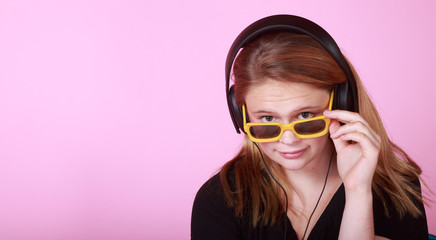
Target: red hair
[(293, 57)]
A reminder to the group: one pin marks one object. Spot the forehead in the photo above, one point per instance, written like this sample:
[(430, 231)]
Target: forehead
[(274, 94)]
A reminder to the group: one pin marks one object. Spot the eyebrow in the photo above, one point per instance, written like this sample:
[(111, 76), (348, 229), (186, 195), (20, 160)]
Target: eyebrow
[(300, 109)]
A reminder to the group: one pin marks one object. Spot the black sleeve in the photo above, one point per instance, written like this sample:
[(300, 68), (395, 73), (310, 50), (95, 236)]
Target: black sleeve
[(395, 227), (211, 217)]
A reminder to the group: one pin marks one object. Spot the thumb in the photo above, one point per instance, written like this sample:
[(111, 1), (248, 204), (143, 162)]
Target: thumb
[(334, 126)]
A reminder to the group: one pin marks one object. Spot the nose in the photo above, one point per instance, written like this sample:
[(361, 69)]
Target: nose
[(288, 137)]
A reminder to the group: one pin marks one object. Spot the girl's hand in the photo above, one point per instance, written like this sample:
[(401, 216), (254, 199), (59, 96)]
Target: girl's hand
[(357, 147)]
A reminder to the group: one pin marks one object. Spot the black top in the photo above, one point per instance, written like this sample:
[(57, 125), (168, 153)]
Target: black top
[(213, 219)]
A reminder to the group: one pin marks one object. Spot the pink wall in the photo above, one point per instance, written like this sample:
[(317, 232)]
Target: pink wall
[(112, 113)]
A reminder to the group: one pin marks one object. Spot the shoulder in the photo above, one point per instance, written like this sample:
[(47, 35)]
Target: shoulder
[(210, 193), (211, 216), (213, 219), (397, 227)]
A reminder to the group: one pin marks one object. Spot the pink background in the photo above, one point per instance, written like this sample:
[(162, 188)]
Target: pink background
[(113, 113)]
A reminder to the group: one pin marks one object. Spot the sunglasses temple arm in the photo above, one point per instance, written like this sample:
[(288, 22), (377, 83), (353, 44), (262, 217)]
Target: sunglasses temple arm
[(331, 99)]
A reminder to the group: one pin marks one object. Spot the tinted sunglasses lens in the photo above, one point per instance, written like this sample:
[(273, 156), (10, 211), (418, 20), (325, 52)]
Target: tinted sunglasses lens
[(310, 127), (265, 132)]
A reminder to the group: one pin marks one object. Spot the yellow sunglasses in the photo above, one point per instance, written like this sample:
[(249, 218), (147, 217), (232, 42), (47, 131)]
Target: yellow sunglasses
[(273, 131)]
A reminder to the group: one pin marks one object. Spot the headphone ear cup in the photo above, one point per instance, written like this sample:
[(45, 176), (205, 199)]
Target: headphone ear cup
[(236, 111), (343, 98), (337, 97)]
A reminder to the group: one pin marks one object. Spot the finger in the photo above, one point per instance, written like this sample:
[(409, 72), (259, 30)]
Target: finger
[(356, 127), (334, 126), (348, 117), (367, 147), (344, 116)]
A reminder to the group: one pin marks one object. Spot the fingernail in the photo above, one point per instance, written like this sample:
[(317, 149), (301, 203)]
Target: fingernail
[(327, 112)]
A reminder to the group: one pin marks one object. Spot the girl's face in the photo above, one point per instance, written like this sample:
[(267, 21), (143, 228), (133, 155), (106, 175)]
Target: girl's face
[(284, 102)]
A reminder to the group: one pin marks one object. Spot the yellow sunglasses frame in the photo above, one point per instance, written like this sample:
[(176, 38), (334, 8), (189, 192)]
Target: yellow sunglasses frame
[(290, 126)]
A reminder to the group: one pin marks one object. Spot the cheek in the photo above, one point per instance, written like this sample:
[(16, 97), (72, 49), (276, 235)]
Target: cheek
[(266, 146), (320, 142)]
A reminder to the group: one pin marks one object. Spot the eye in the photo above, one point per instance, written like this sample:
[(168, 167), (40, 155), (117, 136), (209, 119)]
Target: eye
[(305, 115), (268, 119)]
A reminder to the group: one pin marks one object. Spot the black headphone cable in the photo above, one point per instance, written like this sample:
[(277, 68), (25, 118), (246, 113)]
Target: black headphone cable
[(275, 180), (286, 196), (322, 191)]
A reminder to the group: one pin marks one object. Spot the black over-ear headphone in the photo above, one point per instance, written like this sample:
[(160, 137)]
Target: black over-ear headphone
[(345, 93)]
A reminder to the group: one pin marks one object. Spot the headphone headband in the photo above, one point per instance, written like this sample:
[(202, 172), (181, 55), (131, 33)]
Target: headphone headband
[(345, 93)]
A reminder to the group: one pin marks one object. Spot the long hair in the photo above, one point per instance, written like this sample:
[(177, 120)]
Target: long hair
[(294, 57)]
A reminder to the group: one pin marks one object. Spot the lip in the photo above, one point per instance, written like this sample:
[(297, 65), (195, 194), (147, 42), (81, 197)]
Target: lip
[(292, 154)]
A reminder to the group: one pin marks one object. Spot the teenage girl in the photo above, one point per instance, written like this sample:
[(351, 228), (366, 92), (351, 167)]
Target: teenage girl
[(316, 162)]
